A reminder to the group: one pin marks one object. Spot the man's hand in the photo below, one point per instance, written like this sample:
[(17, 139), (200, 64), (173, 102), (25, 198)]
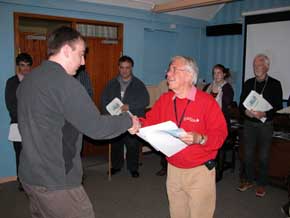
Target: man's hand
[(259, 114), (192, 138), (249, 113), (136, 125), (255, 114), (125, 108)]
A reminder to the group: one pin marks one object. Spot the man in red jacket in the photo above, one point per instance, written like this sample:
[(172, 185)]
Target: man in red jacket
[(191, 173)]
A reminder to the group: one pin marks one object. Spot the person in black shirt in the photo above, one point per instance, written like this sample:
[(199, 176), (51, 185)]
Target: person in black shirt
[(133, 93), (223, 93), (256, 131), (23, 63)]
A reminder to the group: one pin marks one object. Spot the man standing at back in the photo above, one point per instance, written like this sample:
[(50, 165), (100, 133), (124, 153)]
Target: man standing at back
[(54, 111), (256, 132), (133, 93)]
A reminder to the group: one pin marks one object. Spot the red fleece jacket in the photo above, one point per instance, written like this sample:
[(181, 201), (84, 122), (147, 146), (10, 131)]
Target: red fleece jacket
[(203, 115)]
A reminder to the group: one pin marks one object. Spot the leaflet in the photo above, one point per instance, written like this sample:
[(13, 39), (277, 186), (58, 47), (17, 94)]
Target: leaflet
[(114, 107), (256, 102), (164, 137)]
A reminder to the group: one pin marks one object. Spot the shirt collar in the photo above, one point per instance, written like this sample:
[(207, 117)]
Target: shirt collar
[(191, 95)]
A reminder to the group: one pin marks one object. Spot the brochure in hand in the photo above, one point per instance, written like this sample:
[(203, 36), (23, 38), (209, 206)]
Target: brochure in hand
[(114, 107), (256, 102), (164, 137)]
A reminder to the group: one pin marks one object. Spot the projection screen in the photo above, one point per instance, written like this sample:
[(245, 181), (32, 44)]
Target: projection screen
[(269, 34)]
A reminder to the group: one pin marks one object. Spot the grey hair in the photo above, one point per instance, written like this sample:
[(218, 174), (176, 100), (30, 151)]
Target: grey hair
[(190, 64), (265, 58)]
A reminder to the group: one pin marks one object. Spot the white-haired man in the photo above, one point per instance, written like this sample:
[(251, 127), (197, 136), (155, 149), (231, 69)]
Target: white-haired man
[(255, 131), (191, 173)]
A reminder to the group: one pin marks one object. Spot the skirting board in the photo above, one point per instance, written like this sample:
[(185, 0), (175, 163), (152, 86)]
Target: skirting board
[(8, 179)]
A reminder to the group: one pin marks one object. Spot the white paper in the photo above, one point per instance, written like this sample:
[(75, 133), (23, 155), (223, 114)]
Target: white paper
[(285, 110), (175, 132), (282, 135), (114, 107), (14, 134), (163, 137), (256, 102)]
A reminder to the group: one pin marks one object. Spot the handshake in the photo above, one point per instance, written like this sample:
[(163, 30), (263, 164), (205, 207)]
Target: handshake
[(136, 125)]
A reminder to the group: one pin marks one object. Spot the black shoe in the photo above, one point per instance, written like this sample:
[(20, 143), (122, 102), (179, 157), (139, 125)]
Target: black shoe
[(161, 172), (135, 174), (114, 171), (20, 188)]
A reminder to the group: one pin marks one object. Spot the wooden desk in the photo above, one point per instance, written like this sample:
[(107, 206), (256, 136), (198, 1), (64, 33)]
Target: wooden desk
[(279, 163)]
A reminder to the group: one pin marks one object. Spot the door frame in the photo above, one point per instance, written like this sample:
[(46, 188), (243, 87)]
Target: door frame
[(73, 21)]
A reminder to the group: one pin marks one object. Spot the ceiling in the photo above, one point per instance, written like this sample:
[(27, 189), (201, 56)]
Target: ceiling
[(204, 13)]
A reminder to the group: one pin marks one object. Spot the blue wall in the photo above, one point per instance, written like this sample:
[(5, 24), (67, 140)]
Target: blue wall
[(187, 42), (189, 39), (228, 50)]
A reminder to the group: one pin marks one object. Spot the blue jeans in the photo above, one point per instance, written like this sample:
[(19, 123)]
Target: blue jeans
[(257, 134)]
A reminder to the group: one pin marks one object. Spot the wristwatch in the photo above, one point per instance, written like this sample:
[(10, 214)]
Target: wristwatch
[(202, 140)]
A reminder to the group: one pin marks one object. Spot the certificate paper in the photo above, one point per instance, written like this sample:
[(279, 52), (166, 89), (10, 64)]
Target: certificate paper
[(164, 137)]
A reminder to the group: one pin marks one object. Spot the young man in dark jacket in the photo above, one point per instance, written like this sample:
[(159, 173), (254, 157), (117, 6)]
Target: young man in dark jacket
[(54, 112), (133, 93)]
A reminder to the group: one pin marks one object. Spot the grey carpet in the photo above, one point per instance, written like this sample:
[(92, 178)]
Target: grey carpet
[(145, 197)]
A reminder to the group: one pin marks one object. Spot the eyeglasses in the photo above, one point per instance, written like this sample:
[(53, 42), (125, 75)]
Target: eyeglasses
[(174, 69)]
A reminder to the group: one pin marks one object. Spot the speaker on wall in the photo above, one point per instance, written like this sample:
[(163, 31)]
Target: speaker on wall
[(226, 29)]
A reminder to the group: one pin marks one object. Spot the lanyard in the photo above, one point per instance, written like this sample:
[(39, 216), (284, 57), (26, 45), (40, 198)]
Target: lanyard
[(182, 116), (255, 84)]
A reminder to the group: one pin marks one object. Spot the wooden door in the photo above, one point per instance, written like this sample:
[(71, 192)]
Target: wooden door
[(101, 63), (35, 45), (102, 66)]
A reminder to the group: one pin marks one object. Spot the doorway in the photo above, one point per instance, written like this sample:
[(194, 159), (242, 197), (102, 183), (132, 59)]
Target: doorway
[(104, 42)]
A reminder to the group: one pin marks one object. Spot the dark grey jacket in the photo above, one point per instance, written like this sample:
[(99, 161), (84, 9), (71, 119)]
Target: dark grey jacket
[(54, 110), (136, 95)]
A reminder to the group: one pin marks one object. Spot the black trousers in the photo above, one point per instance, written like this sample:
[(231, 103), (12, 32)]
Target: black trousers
[(257, 134), (132, 144), (17, 148)]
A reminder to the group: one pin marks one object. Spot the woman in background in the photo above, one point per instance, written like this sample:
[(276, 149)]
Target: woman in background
[(223, 92)]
